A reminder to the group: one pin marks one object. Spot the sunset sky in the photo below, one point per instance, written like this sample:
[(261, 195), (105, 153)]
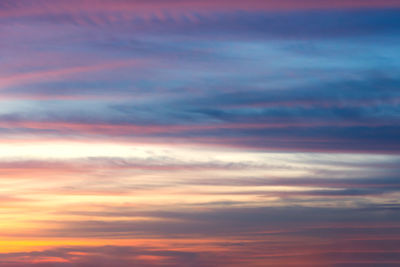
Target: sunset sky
[(199, 133)]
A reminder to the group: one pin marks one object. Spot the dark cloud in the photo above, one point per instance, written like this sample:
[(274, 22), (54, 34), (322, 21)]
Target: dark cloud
[(228, 221), (240, 24)]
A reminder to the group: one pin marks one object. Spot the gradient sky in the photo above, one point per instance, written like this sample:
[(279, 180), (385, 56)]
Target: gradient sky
[(199, 133)]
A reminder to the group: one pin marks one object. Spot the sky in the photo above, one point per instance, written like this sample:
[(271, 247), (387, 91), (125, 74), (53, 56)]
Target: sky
[(199, 133)]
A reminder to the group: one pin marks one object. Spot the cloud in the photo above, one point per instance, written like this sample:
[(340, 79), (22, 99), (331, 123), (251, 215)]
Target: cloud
[(24, 8), (255, 236), (199, 133), (99, 256)]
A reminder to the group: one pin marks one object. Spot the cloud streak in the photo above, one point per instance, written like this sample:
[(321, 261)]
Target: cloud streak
[(199, 133)]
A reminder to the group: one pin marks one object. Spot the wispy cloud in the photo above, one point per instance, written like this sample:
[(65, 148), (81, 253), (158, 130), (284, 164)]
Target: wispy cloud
[(199, 133)]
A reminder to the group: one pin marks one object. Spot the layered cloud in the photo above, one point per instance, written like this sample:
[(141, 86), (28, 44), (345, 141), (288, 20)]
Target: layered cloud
[(199, 133)]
